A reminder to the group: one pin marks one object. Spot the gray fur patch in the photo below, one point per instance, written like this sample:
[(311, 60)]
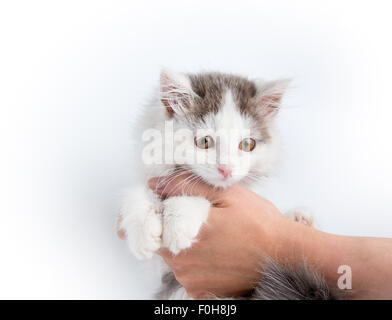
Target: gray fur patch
[(211, 88), (279, 282), (168, 287)]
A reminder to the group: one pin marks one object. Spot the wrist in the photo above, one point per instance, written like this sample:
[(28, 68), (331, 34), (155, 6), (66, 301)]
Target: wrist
[(320, 250), (296, 243), (282, 239)]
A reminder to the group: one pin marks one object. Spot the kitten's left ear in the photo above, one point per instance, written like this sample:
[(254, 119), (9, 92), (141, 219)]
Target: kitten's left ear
[(270, 94), (176, 92)]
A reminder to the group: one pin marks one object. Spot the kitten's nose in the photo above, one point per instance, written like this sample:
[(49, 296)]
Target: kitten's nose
[(225, 171)]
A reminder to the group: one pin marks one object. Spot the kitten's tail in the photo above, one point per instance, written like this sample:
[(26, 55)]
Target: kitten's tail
[(279, 282)]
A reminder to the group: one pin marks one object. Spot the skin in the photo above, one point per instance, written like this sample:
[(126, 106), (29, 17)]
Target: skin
[(243, 227)]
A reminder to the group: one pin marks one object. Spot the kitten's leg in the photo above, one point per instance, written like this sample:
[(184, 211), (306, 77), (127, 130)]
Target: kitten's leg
[(182, 219), (141, 219), (301, 216)]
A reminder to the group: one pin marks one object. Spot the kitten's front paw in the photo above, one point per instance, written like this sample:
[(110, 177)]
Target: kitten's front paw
[(144, 240), (141, 219), (182, 220), (301, 216)]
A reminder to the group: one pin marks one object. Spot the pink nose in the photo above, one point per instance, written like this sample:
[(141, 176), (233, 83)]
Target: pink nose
[(225, 171)]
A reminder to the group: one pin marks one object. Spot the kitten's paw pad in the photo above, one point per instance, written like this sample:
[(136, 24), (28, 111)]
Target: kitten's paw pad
[(183, 218), (301, 216)]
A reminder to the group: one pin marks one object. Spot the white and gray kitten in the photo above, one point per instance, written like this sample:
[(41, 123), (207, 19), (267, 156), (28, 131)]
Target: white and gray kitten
[(227, 119)]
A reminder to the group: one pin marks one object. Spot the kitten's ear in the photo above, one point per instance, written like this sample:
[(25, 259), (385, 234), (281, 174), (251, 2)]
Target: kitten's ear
[(270, 94), (176, 92)]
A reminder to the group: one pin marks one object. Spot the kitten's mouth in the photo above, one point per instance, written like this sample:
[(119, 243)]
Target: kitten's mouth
[(220, 181)]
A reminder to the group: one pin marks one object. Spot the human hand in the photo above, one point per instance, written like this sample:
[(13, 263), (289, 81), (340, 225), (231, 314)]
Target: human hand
[(241, 229)]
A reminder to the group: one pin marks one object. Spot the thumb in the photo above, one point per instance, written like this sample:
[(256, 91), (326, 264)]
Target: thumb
[(184, 184)]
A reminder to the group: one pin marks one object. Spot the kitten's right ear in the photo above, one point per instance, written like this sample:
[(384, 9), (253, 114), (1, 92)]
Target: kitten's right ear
[(270, 94), (176, 92)]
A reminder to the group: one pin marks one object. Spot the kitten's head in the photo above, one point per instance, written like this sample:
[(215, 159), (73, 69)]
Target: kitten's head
[(231, 120)]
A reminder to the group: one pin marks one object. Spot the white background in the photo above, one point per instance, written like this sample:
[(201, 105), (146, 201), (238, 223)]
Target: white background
[(73, 74)]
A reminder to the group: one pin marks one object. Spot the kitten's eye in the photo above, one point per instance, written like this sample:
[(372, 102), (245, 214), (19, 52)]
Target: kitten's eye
[(247, 144), (204, 142)]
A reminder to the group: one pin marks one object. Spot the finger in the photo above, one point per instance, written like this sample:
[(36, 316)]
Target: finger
[(165, 253), (184, 184), (120, 232)]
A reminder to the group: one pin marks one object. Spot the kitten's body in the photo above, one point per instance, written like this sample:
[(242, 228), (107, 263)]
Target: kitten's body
[(211, 103)]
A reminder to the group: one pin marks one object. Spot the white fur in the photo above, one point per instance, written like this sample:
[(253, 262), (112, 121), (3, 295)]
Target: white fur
[(142, 221), (182, 221), (150, 223), (179, 294), (228, 127)]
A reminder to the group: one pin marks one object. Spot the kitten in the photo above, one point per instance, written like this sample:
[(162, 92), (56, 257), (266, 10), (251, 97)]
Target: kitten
[(228, 135)]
